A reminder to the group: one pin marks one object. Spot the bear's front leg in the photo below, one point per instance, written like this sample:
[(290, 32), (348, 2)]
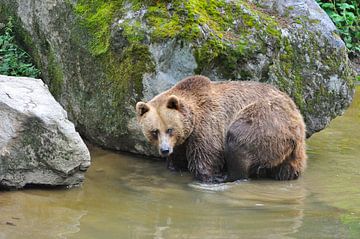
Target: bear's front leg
[(177, 160), (169, 164), (205, 161)]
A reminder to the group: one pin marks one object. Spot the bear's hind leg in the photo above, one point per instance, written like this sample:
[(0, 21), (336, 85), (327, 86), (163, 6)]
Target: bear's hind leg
[(284, 171), (237, 158), (292, 167)]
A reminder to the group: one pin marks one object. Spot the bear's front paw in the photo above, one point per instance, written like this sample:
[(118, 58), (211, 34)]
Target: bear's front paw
[(212, 179), (170, 165)]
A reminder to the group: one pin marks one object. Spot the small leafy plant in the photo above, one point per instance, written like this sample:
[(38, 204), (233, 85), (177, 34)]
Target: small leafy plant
[(346, 16), (13, 60)]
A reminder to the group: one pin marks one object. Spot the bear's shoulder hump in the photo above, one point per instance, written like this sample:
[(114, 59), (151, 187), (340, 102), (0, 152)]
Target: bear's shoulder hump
[(192, 83)]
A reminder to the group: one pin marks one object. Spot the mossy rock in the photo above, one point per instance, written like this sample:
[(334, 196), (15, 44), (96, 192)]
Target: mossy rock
[(100, 57)]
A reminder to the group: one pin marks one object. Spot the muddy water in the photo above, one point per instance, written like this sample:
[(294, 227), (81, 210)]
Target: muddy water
[(129, 197)]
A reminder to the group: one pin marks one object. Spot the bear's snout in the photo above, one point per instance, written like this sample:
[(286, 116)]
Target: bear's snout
[(165, 150), (165, 145)]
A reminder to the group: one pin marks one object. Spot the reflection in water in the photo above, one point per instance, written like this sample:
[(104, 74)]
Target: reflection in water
[(162, 204), (130, 197), (40, 214)]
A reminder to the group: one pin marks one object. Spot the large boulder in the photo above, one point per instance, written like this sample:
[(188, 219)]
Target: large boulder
[(38, 144), (100, 57)]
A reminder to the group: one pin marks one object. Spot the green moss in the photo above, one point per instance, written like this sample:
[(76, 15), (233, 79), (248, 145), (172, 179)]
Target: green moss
[(126, 72), (296, 60), (223, 34), (6, 12), (122, 87), (56, 74), (289, 73), (133, 32), (298, 21), (186, 19), (291, 8), (298, 90), (123, 69), (98, 16), (163, 26), (314, 21), (220, 31), (346, 72)]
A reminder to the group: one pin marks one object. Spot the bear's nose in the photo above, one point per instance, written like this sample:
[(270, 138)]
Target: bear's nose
[(165, 152)]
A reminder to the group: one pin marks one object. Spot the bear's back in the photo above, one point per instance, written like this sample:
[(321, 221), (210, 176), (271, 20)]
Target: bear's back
[(193, 83)]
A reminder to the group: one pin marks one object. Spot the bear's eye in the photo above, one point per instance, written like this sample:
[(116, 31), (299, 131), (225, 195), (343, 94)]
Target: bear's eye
[(170, 131), (154, 133)]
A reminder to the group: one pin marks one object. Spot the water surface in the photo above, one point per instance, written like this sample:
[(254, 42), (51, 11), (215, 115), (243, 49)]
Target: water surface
[(130, 197)]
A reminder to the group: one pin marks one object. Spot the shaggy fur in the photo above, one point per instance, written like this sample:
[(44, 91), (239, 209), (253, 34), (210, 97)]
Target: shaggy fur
[(239, 129)]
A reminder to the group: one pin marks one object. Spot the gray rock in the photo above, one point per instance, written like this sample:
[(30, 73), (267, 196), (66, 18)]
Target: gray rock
[(38, 144), (173, 62), (320, 62), (98, 72)]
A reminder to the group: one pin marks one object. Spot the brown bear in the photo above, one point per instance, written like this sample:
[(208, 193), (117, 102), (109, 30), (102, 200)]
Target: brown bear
[(226, 130)]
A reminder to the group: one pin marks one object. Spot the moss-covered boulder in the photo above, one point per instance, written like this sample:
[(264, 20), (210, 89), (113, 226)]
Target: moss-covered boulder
[(100, 57)]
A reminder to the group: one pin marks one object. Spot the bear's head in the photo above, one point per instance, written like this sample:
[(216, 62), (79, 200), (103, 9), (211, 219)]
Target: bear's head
[(166, 122)]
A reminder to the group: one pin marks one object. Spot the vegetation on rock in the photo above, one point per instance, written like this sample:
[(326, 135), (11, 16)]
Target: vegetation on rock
[(346, 16), (213, 27), (225, 36), (13, 60)]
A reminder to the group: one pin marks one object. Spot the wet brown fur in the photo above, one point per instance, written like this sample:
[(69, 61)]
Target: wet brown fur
[(242, 129)]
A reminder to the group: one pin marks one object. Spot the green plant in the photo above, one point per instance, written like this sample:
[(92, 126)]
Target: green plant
[(346, 16), (13, 60)]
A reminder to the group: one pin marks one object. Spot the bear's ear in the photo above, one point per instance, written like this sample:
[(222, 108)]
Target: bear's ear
[(141, 108), (173, 102)]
